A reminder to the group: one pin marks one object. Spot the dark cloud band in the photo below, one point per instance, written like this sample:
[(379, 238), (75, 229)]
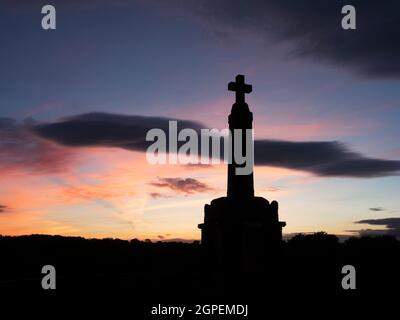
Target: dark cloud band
[(129, 132), (392, 227), (4, 208), (314, 29)]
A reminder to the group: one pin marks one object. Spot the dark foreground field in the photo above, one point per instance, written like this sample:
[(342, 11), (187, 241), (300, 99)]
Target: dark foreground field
[(131, 277)]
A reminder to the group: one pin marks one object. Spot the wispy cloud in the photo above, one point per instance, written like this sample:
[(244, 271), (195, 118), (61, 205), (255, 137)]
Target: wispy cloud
[(185, 186), (155, 195), (21, 150), (4, 208), (377, 209), (88, 193)]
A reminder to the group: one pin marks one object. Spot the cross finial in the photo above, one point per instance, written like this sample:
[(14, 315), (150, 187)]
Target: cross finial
[(240, 88)]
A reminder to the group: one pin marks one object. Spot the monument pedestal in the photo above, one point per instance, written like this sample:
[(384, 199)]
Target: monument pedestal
[(242, 233)]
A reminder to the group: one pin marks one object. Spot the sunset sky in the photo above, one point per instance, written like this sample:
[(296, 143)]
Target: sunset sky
[(76, 103)]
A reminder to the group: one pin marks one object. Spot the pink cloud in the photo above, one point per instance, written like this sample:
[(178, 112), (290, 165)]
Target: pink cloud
[(22, 151), (185, 186)]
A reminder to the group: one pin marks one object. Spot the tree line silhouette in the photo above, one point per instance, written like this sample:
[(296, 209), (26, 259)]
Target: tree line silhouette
[(140, 274)]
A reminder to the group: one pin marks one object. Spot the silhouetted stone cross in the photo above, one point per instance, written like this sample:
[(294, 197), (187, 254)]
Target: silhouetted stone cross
[(240, 88)]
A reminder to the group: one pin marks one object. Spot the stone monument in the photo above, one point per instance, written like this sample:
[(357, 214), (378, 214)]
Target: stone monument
[(240, 229)]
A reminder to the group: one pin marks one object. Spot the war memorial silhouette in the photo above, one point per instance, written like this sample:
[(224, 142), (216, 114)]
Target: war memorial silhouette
[(241, 229)]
